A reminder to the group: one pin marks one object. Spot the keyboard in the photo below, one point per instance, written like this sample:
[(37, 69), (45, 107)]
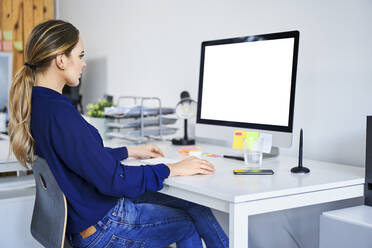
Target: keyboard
[(160, 161)]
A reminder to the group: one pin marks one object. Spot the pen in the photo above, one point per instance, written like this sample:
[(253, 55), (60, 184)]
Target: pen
[(234, 157)]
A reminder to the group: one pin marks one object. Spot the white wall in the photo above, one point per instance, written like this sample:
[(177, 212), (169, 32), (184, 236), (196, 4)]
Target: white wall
[(152, 48)]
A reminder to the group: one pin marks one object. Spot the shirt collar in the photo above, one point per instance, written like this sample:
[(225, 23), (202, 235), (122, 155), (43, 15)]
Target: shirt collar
[(46, 92)]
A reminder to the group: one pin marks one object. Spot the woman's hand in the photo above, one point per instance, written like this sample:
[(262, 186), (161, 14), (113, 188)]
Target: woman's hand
[(144, 151), (191, 166)]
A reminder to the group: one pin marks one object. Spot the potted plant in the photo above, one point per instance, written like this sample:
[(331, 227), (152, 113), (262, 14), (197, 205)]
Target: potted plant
[(95, 114)]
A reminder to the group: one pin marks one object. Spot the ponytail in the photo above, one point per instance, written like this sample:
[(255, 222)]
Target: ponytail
[(22, 143), (46, 40)]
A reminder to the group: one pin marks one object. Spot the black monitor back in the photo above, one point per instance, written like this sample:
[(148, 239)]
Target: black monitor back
[(73, 93), (368, 183)]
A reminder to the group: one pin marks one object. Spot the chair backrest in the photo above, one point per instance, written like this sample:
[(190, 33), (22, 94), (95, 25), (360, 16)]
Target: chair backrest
[(49, 218)]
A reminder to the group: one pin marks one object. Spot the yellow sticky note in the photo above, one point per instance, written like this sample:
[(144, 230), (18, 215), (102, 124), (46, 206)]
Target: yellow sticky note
[(7, 35), (239, 136), (18, 45)]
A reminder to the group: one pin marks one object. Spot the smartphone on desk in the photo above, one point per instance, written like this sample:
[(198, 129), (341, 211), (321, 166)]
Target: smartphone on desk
[(254, 172)]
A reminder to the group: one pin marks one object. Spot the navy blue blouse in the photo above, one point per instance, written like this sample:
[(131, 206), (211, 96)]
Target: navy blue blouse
[(90, 175)]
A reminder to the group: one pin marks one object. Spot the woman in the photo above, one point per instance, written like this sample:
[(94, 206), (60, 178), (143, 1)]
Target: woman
[(109, 204)]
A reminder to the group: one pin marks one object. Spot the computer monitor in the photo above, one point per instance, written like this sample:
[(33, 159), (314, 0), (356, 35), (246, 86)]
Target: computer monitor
[(6, 70), (247, 83)]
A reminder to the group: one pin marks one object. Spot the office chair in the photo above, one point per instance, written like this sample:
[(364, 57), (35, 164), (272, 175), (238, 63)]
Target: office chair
[(48, 225)]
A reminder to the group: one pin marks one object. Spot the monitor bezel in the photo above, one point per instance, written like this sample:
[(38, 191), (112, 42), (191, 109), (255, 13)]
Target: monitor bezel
[(252, 38)]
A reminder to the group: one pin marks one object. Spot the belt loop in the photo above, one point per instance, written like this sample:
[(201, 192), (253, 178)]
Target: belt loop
[(117, 206), (129, 211), (121, 210), (102, 225)]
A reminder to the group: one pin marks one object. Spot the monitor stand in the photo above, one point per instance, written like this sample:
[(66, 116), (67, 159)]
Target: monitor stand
[(274, 153)]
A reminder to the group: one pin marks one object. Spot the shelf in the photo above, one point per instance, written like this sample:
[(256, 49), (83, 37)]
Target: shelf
[(146, 123), (146, 132), (135, 112), (150, 121)]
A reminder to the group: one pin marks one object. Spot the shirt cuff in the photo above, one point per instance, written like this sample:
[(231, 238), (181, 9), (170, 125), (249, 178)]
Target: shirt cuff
[(125, 153), (119, 153), (162, 169)]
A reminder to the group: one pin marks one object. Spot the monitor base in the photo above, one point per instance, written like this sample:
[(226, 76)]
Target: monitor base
[(183, 142), (273, 153), (298, 169)]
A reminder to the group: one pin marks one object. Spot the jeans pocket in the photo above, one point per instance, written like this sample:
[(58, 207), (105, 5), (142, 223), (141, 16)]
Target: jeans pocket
[(118, 242)]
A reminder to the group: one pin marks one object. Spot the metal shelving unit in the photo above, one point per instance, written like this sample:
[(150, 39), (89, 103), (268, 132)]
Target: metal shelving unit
[(140, 123)]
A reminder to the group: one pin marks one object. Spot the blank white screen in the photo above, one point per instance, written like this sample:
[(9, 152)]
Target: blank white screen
[(248, 82)]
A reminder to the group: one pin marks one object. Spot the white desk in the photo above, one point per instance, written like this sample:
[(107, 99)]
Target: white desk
[(242, 196)]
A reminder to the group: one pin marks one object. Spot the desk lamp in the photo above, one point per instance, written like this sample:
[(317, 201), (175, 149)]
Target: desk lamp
[(185, 109)]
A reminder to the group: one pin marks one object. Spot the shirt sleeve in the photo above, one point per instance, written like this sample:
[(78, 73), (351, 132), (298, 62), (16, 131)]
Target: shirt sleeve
[(119, 153), (84, 154)]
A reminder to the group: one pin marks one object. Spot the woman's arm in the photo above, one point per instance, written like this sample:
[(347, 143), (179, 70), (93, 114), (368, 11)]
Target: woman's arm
[(144, 151), (84, 154), (139, 152)]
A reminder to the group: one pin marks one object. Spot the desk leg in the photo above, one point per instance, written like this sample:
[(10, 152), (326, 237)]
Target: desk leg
[(238, 226)]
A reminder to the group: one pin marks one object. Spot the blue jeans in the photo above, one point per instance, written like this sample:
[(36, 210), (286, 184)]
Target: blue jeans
[(155, 220)]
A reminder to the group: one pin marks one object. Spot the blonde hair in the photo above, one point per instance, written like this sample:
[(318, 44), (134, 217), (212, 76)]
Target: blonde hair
[(46, 41)]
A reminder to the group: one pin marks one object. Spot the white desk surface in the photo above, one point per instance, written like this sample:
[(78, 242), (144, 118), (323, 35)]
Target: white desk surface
[(224, 185)]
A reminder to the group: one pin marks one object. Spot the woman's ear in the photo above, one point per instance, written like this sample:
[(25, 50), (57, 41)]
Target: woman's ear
[(60, 61)]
